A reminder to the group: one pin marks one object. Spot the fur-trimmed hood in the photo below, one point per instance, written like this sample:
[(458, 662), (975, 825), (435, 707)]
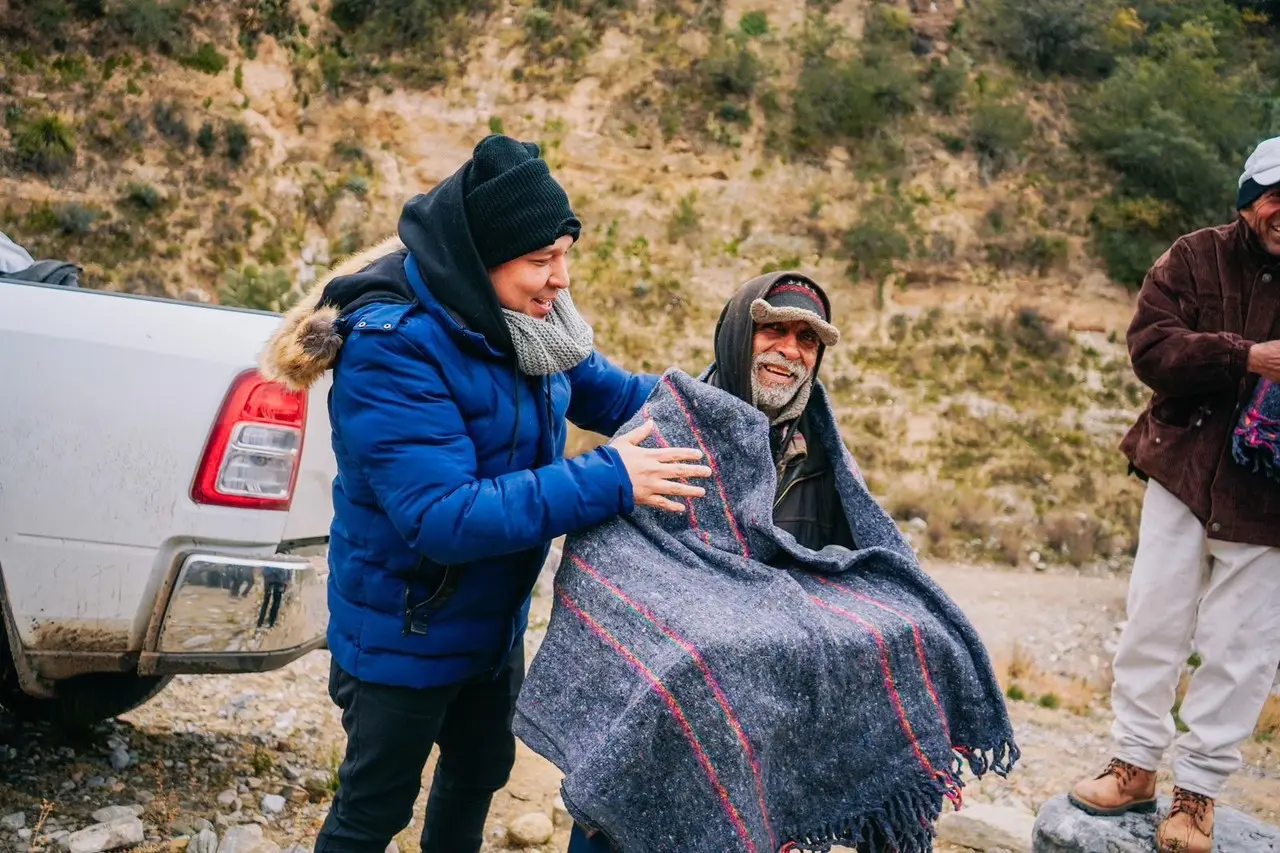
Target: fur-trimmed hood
[(306, 342)]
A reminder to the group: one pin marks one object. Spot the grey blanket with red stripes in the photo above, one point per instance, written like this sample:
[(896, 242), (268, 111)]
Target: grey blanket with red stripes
[(707, 685)]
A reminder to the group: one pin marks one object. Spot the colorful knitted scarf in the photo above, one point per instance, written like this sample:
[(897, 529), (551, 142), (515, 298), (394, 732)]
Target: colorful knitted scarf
[(1256, 443), (707, 685)]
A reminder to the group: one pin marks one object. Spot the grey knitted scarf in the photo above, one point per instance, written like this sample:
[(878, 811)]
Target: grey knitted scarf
[(555, 344), (707, 685)]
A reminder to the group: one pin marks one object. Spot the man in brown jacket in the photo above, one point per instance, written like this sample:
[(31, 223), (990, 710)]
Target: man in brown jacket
[(1207, 573)]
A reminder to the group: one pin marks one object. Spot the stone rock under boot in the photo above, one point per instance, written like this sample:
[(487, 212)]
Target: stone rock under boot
[(1189, 826), (1120, 788)]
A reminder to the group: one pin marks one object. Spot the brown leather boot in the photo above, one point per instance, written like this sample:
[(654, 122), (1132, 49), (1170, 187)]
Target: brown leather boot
[(1118, 789), (1189, 826)]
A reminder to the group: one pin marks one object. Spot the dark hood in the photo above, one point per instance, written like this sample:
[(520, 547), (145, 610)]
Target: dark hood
[(433, 227), (735, 330)]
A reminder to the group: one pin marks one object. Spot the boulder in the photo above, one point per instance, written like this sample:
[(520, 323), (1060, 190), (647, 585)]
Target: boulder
[(124, 832), (206, 841), (531, 830), (1062, 828), (110, 813), (241, 839)]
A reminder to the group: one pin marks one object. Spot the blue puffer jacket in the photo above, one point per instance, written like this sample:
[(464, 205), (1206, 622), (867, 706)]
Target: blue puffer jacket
[(451, 476)]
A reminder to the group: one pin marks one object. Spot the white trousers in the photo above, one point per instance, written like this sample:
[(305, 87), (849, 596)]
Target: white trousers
[(1192, 593)]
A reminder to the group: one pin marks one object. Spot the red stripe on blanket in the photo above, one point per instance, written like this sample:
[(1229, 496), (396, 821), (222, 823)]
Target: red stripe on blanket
[(892, 687), (915, 632), (721, 699), (603, 634), (711, 462), (662, 442)]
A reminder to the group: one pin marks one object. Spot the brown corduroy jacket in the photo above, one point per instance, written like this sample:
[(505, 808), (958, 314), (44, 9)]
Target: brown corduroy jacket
[(1203, 304)]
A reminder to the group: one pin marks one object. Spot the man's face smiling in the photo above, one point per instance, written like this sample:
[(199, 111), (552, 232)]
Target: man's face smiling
[(529, 284), (1263, 217), (783, 357)]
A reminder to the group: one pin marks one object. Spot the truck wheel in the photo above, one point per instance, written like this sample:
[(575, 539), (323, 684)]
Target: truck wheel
[(84, 700), (81, 701)]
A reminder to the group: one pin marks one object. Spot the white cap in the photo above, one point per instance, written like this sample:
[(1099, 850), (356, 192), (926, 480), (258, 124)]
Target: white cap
[(1262, 168), (1263, 165)]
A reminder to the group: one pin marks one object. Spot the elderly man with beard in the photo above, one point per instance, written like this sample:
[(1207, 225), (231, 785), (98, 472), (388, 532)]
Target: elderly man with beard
[(1207, 571), (769, 343)]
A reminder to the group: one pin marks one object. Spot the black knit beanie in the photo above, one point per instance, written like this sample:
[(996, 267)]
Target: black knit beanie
[(513, 204)]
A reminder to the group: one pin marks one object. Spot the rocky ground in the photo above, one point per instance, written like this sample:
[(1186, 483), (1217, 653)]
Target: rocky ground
[(244, 764)]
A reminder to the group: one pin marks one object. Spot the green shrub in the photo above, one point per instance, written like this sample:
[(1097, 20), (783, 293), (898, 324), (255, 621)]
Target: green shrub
[(70, 69), (1174, 125), (238, 143), (1044, 252), (730, 68), (999, 131), (151, 24), (686, 220), (206, 58), (425, 35), (333, 68), (838, 101), (540, 24), (1034, 334), (272, 17), (268, 289), (888, 25), (48, 16), (951, 142), (879, 237), (754, 24), (357, 185), (206, 139), (949, 81), (44, 144), (143, 196), (1071, 37), (170, 123), (76, 219), (1129, 233)]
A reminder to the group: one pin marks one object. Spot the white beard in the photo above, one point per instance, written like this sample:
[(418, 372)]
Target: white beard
[(775, 400)]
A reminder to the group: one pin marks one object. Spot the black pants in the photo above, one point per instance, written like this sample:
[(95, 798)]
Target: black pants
[(390, 732)]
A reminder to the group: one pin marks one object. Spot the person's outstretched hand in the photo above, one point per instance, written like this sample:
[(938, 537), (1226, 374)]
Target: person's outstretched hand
[(655, 473)]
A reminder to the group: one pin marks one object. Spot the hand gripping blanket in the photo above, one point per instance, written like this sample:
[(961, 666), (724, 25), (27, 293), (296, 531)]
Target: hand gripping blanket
[(1256, 443), (707, 685)]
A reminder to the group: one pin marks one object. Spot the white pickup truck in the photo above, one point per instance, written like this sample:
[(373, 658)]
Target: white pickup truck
[(157, 500)]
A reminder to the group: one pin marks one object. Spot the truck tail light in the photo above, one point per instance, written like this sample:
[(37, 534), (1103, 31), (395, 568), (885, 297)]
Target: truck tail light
[(251, 458)]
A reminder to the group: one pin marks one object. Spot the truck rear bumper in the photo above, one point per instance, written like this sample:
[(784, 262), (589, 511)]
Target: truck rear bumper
[(239, 614)]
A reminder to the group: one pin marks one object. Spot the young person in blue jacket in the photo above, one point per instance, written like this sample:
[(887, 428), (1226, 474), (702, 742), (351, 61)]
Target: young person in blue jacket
[(457, 358)]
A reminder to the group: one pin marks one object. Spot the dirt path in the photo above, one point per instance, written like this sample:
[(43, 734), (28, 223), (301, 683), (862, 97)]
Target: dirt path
[(244, 737)]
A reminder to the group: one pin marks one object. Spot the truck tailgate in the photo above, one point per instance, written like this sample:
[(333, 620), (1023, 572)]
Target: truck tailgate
[(107, 402)]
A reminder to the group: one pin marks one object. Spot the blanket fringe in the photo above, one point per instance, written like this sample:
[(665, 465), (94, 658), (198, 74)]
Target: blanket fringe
[(903, 824), (906, 822), (998, 759), (1259, 459)]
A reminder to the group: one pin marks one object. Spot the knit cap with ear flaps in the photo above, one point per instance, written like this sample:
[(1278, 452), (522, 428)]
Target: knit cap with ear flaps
[(514, 206)]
